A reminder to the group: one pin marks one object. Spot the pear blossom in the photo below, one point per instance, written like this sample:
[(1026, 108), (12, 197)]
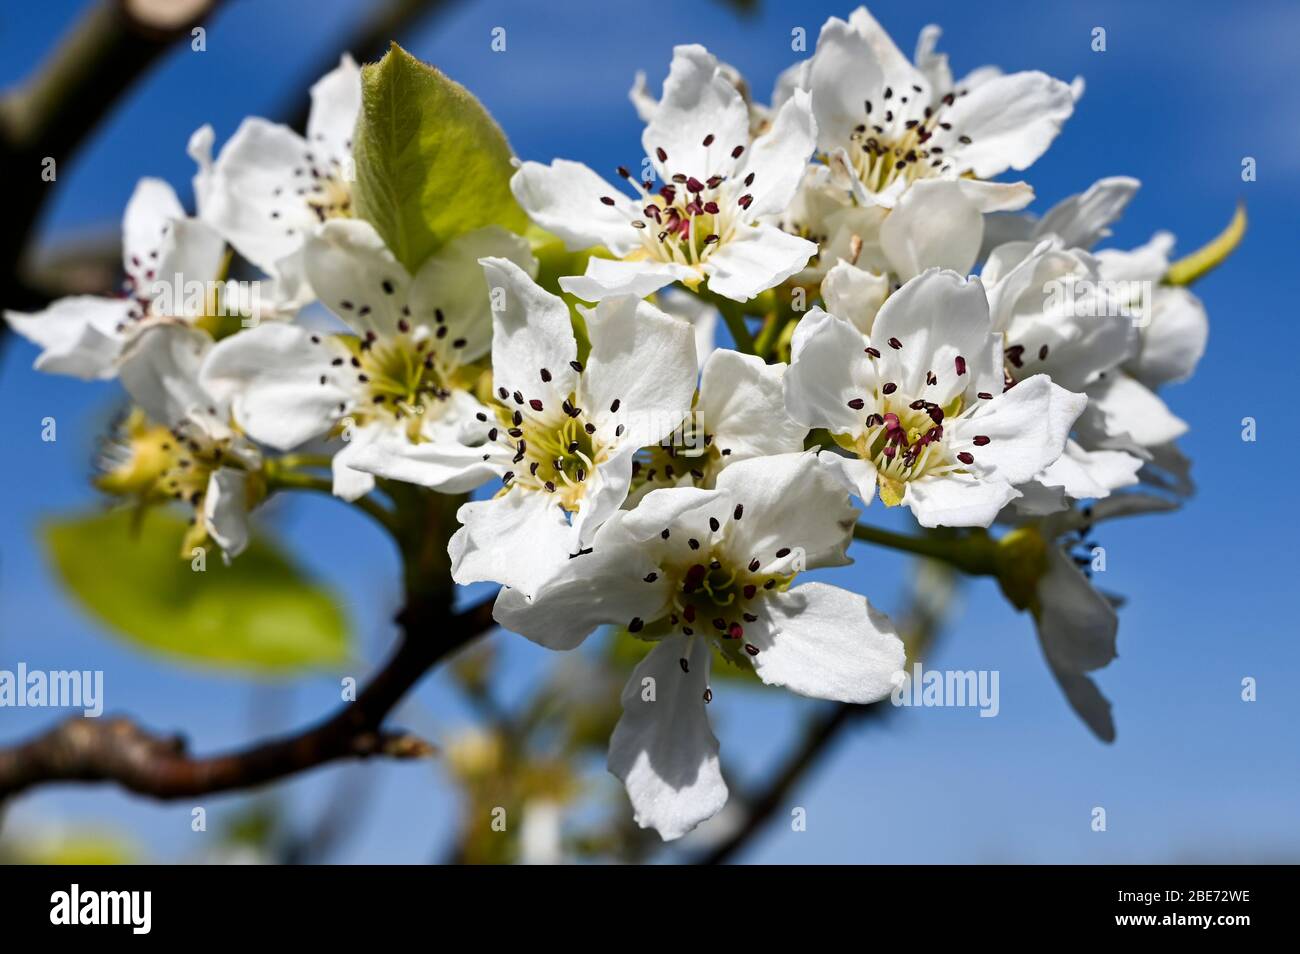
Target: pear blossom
[(693, 570), (209, 463), (1167, 327), (1076, 624), (702, 226), (883, 124), (921, 406), (1057, 316), (172, 265), (270, 188), (562, 433), (739, 414), (399, 384)]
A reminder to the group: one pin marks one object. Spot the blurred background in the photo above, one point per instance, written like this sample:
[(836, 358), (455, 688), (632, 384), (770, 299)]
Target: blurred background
[(1182, 94)]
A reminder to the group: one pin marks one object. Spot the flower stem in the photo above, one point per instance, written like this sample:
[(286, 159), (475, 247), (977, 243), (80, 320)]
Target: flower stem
[(280, 478), (734, 316), (972, 554)]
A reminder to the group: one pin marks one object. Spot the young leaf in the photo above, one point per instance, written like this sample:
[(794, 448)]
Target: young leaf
[(259, 615), (430, 161)]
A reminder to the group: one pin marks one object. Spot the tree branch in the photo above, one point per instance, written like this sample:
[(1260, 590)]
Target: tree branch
[(119, 751)]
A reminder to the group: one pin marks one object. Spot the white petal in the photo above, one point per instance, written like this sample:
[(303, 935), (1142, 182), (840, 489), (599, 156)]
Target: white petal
[(452, 281), (697, 313), (604, 587), (664, 750), (957, 501), (855, 293), (828, 369), (854, 62), (353, 271), (565, 198), (742, 404), (1027, 429), (225, 509), (1077, 625), (253, 178), (443, 461), (698, 101), (1173, 340), (335, 105), (199, 148), (828, 643), (150, 212), (607, 277), (161, 373), (778, 158), (933, 225), (519, 539), (1120, 406), (1146, 263), (644, 360), (1011, 121), (191, 253), (77, 336), (1088, 474), (1083, 220), (271, 375), (938, 317), (349, 482), (531, 332), (642, 99), (794, 504), (755, 259)]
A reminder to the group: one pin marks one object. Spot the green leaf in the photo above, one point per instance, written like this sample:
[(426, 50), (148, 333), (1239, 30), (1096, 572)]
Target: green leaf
[(431, 163), (1210, 256), (259, 615)]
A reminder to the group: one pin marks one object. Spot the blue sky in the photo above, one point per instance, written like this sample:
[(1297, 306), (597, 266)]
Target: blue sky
[(1183, 92)]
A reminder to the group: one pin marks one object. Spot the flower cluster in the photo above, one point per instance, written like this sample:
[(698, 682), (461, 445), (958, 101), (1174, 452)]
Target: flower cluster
[(918, 343)]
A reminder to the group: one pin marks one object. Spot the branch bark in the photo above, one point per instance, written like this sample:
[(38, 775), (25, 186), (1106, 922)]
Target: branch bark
[(121, 752)]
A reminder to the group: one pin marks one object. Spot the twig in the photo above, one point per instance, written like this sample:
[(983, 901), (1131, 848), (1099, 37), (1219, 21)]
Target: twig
[(119, 751), (818, 735)]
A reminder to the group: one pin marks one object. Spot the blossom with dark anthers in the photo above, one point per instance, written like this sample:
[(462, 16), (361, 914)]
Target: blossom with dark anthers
[(562, 432), (1164, 328), (401, 383), (693, 570), (163, 251), (922, 407), (208, 463), (701, 225), (739, 413), (882, 124), (270, 188)]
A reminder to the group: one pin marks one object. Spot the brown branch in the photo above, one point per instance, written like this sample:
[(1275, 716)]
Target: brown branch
[(820, 732), (119, 751)]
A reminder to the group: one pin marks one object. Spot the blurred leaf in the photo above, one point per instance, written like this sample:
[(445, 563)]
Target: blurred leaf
[(431, 163), (81, 847), (259, 615), (1210, 256)]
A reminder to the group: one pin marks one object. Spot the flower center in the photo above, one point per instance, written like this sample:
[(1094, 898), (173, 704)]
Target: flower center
[(555, 450), (714, 594), (691, 453), (693, 214), (895, 141), (403, 377), (329, 194)]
